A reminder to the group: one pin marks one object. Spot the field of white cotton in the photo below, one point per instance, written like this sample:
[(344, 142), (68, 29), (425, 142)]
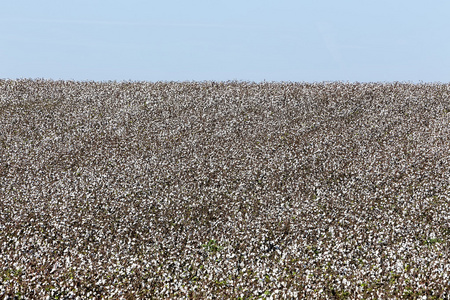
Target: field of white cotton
[(202, 190)]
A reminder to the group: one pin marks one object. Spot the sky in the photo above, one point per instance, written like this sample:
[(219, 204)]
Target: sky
[(221, 40)]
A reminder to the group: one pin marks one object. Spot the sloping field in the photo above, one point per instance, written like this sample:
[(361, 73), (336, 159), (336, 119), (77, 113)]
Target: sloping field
[(224, 190)]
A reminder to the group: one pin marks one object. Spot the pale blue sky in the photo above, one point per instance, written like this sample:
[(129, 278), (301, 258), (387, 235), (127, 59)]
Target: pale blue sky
[(254, 40)]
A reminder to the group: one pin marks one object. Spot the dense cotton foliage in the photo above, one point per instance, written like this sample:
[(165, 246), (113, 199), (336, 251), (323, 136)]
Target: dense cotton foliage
[(226, 189)]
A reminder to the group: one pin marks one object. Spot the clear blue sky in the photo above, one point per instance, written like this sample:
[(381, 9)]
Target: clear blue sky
[(255, 40)]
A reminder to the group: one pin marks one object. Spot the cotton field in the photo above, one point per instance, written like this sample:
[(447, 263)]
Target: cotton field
[(215, 190)]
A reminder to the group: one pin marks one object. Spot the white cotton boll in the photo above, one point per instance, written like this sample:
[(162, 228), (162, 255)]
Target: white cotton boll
[(399, 266), (345, 282)]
